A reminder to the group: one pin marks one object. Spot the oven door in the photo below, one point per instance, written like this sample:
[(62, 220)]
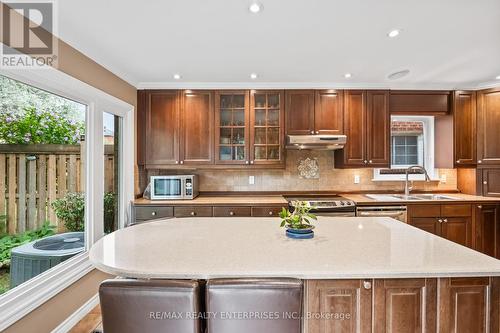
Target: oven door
[(164, 188)]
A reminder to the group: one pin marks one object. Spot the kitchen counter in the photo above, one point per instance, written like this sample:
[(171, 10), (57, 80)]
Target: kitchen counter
[(362, 199), (242, 200), (343, 248)]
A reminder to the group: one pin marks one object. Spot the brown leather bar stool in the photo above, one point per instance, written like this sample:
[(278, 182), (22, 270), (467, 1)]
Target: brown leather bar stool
[(254, 305), (150, 306)]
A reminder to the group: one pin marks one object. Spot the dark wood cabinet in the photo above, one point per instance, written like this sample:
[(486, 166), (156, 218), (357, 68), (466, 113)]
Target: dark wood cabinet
[(299, 112), (231, 127), (267, 118), (162, 127), (420, 102), (450, 221), (464, 119), (488, 124), (197, 137), (489, 181), (350, 300), (329, 112), (487, 229), (228, 211), (367, 126), (405, 305)]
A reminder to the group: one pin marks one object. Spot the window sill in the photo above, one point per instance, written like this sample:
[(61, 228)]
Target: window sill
[(23, 299)]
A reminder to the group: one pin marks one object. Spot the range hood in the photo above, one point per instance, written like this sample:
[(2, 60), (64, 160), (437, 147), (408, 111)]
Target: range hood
[(316, 142)]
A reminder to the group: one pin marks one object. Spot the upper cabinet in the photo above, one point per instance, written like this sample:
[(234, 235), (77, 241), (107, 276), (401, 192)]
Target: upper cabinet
[(267, 127), (299, 112), (231, 127), (420, 102), (314, 112), (367, 126), (488, 124), (464, 120)]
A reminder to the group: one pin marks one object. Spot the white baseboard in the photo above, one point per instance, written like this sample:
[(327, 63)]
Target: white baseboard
[(78, 315)]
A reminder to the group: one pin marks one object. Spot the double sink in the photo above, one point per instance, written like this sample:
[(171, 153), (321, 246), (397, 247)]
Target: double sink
[(412, 197)]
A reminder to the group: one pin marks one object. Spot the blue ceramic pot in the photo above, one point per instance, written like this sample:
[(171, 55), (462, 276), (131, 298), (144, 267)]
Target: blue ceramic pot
[(305, 233)]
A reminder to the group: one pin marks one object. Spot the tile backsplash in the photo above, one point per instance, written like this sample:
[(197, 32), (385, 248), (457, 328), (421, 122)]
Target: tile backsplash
[(290, 179)]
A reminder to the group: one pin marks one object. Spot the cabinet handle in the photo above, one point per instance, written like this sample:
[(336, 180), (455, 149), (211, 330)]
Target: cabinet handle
[(365, 161), (440, 220), (458, 161), (270, 212), (485, 182), (317, 132), (251, 162), (479, 161), (367, 285), (193, 213), (153, 213), (246, 162), (370, 161), (182, 162), (445, 220), (479, 206), (312, 132), (176, 162), (231, 213)]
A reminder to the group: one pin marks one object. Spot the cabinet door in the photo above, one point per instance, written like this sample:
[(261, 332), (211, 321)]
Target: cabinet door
[(329, 112), (266, 127), (231, 127), (378, 126), (299, 112), (490, 182), (197, 127), (405, 305), (354, 152), (464, 304), (457, 229), (162, 128), (464, 119), (488, 135), (349, 300), (487, 229), (429, 224)]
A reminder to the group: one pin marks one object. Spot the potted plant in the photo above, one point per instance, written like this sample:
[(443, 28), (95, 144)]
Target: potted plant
[(298, 222)]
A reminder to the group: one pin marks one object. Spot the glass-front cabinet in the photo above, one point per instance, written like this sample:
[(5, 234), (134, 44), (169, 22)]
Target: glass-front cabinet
[(231, 127), (266, 126)]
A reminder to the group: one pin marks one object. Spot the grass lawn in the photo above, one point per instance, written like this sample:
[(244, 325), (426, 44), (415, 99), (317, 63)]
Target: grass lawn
[(4, 281)]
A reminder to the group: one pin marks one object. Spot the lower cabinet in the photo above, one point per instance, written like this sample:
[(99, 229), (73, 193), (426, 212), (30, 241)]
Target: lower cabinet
[(403, 305), (487, 229)]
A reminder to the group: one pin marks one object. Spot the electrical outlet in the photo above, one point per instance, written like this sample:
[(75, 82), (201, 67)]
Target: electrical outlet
[(251, 180), (356, 179), (443, 179)]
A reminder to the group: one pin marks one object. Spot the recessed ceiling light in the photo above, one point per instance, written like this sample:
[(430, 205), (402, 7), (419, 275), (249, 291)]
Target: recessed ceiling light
[(253, 76), (393, 33), (498, 77), (398, 74), (347, 75), (255, 8), (177, 76)]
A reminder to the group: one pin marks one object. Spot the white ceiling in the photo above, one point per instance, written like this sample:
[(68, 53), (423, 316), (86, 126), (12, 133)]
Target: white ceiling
[(445, 44)]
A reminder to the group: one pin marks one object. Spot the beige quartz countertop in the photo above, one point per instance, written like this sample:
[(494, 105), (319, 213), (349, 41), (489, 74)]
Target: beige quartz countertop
[(343, 248), (220, 200), (362, 199)]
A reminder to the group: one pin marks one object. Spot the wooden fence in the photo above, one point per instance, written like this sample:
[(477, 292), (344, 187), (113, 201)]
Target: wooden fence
[(33, 176)]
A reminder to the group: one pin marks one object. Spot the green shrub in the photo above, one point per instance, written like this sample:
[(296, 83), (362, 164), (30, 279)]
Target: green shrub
[(71, 210), (8, 242)]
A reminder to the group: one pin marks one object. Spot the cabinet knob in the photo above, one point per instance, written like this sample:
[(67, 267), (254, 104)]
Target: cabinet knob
[(153, 213), (231, 213), (270, 212), (246, 162), (367, 285), (479, 161), (251, 162), (193, 213), (479, 206), (440, 220), (370, 161), (485, 182), (458, 161), (317, 132), (365, 161), (445, 220), (176, 162), (312, 132), (182, 162)]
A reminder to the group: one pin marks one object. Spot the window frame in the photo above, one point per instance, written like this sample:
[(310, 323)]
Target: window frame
[(428, 147), (23, 299)]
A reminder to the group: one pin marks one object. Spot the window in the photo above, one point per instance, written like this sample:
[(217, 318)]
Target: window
[(79, 176), (412, 143)]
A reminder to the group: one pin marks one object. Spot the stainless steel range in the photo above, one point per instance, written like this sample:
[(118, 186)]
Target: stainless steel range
[(326, 206)]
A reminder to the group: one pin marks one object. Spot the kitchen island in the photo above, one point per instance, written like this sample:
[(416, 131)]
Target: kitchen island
[(383, 273)]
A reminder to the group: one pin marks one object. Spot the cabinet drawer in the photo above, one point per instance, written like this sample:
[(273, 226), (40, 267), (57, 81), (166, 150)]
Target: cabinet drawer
[(456, 210), (193, 211), (424, 211), (152, 212), (266, 211), (232, 211)]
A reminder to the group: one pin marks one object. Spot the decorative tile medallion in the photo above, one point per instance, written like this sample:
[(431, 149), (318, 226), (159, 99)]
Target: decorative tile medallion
[(308, 168)]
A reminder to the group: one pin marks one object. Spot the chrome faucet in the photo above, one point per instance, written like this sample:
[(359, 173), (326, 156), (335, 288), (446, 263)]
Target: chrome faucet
[(414, 167)]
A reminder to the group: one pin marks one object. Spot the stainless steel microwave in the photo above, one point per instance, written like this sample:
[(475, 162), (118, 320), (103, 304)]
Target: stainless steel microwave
[(174, 187)]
